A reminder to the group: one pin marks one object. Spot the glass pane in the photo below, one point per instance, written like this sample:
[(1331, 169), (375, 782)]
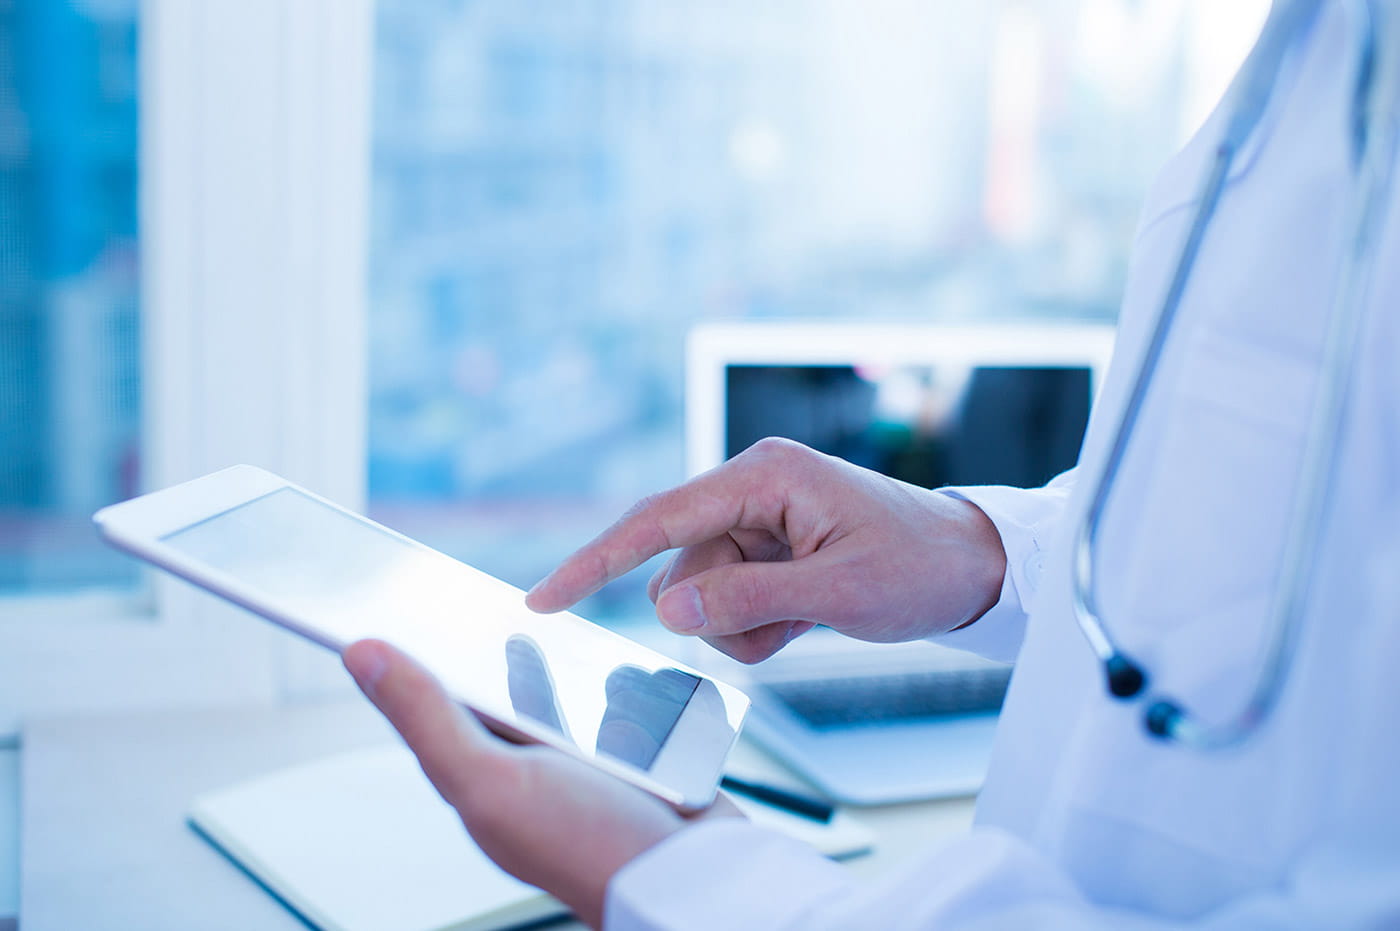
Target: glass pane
[(69, 362), (562, 189)]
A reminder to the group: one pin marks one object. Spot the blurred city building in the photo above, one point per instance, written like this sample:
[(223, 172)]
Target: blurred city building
[(69, 336), (561, 189)]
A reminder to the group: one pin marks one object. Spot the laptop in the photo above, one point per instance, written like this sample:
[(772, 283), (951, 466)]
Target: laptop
[(934, 405)]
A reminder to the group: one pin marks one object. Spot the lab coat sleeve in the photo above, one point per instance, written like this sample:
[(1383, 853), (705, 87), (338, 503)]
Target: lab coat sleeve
[(730, 874), (1026, 519), (724, 873), (740, 877)]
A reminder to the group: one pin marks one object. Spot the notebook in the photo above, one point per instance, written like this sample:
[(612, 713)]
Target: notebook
[(362, 842)]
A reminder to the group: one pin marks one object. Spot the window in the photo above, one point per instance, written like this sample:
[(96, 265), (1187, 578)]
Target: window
[(254, 181), (69, 333), (561, 190)]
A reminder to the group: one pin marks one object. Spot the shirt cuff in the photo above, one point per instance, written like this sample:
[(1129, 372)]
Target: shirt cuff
[(1024, 518), (723, 873)]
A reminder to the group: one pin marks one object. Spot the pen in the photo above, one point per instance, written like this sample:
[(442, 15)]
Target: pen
[(807, 807)]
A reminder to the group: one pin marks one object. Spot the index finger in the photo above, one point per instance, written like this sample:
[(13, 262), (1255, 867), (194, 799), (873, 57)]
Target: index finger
[(721, 500)]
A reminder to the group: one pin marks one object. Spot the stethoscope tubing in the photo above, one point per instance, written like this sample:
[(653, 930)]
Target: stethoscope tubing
[(1376, 128)]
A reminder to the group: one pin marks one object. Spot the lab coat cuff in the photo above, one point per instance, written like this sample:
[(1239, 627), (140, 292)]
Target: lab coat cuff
[(723, 873), (998, 633), (1023, 518)]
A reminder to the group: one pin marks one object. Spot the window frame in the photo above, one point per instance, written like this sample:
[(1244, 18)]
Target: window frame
[(254, 191)]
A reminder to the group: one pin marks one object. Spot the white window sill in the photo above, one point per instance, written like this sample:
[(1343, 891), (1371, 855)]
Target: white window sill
[(9, 836)]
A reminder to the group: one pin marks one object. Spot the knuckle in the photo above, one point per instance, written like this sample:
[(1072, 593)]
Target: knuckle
[(646, 516), (777, 450), (747, 598), (741, 647), (750, 655), (600, 567), (643, 506), (779, 462)]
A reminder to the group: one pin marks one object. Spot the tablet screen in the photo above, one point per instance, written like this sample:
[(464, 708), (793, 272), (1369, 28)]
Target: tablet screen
[(345, 578)]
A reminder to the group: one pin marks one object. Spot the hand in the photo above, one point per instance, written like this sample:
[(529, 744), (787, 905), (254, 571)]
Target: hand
[(782, 538), (544, 817)]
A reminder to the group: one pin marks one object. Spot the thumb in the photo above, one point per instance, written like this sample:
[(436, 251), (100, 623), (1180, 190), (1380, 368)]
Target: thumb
[(453, 748), (740, 597)]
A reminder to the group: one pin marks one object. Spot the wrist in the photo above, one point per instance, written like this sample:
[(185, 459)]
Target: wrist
[(986, 572)]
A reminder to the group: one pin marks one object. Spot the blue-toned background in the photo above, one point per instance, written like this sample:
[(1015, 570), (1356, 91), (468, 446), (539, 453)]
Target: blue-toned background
[(561, 188)]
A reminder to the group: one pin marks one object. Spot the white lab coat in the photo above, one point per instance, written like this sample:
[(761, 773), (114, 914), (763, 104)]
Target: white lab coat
[(1086, 821)]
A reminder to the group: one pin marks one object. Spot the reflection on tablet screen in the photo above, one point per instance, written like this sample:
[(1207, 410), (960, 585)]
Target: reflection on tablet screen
[(642, 707)]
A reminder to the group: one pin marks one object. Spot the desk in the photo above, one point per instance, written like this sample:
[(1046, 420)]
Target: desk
[(105, 845)]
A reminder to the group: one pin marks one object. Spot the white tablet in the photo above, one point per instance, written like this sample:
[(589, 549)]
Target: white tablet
[(335, 577)]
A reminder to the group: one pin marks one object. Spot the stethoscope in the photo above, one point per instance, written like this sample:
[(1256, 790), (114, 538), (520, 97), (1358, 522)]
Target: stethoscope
[(1375, 127)]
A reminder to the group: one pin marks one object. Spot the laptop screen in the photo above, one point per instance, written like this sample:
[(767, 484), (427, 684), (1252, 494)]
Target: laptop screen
[(929, 425)]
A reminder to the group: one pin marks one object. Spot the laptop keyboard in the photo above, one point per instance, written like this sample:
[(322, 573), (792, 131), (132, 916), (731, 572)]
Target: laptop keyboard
[(850, 701)]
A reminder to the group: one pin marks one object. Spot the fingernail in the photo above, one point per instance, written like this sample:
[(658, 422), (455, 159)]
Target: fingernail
[(681, 610)]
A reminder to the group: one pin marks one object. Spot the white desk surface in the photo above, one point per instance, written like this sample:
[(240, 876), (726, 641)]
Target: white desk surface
[(105, 845)]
